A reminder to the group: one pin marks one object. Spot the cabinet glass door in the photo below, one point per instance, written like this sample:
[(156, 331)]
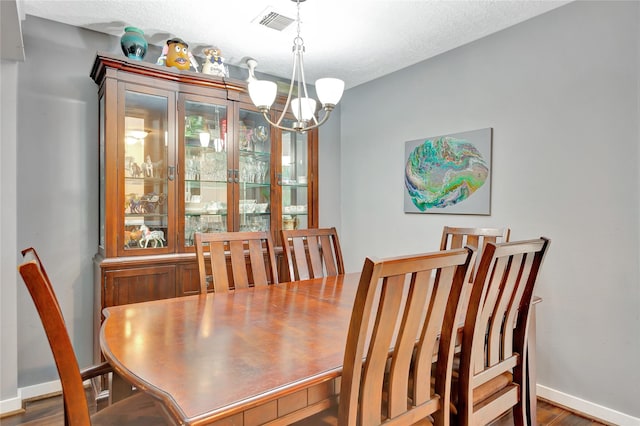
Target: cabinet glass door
[(295, 196), (254, 165), (146, 171), (205, 169)]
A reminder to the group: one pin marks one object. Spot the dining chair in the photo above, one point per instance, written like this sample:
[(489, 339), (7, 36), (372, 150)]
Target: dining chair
[(457, 237), (404, 308), (258, 272), (493, 358), (312, 253), (138, 409)]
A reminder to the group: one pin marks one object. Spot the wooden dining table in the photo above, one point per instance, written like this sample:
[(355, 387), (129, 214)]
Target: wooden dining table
[(268, 355)]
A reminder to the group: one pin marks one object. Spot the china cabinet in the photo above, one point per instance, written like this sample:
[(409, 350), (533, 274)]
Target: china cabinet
[(183, 152)]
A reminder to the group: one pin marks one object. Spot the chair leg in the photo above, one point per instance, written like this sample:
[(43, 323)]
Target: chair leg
[(530, 366)]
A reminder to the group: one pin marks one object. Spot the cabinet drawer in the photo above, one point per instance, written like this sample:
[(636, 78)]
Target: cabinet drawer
[(135, 285)]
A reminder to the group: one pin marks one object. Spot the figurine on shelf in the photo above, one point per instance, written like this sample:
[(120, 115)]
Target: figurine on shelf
[(136, 171), (155, 237), (149, 202), (131, 238), (214, 64), (148, 167), (176, 54)]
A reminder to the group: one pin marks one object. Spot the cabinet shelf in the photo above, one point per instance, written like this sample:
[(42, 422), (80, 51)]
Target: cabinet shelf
[(204, 213), (215, 182), (255, 154), (255, 185), (144, 179)]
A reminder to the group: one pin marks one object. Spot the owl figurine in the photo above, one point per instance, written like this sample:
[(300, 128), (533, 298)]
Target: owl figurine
[(214, 63)]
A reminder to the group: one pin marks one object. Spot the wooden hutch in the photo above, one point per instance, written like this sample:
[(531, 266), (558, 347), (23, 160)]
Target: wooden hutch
[(183, 152)]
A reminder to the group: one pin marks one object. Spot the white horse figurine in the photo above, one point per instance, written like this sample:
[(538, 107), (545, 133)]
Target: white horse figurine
[(157, 237)]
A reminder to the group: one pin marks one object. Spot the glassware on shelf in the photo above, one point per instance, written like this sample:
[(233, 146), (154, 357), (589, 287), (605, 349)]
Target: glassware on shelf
[(259, 136)]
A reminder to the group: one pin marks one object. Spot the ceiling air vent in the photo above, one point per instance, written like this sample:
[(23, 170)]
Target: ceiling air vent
[(272, 19)]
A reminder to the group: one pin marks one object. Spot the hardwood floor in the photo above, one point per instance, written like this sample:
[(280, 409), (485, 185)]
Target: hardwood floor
[(549, 414), (48, 412), (43, 412)]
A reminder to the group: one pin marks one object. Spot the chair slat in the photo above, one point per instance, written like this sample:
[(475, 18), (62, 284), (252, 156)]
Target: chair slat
[(315, 257), (258, 267), (419, 289), (218, 264), (374, 369), (499, 318), (328, 256), (299, 251)]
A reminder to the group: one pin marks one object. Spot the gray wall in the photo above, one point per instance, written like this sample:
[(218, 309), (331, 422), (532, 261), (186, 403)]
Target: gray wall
[(58, 183), (329, 171), (8, 255), (561, 93)]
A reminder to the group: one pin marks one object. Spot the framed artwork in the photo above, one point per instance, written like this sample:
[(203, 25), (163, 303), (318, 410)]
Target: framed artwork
[(449, 174)]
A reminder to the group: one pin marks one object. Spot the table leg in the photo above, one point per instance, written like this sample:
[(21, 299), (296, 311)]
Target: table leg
[(119, 388)]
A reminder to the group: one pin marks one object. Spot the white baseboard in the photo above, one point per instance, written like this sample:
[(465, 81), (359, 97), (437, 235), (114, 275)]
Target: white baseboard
[(28, 392), (586, 407), (10, 405)]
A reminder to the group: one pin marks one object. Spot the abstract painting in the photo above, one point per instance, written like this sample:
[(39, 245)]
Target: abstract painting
[(449, 174)]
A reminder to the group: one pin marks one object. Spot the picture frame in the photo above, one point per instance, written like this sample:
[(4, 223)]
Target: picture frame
[(449, 174)]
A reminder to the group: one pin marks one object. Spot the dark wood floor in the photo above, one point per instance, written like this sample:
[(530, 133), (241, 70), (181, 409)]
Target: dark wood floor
[(48, 412), (549, 414)]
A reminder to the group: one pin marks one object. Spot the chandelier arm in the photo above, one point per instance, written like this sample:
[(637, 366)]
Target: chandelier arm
[(293, 75), (304, 86), (301, 130)]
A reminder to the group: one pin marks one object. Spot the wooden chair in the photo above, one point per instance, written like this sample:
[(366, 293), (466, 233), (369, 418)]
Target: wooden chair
[(455, 237), (312, 253), (139, 409), (398, 318), (218, 244), (492, 374)]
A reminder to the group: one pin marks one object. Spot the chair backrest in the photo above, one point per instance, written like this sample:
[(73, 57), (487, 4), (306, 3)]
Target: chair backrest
[(493, 353), (44, 298), (404, 307), (312, 253), (258, 272), (456, 237)]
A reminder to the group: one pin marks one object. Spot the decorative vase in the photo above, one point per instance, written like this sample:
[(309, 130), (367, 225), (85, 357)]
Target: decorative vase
[(133, 44)]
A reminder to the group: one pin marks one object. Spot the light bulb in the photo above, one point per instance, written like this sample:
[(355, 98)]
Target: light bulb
[(329, 90), (263, 93), (304, 106)]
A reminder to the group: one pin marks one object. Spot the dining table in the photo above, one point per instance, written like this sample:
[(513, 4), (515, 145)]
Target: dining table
[(266, 355)]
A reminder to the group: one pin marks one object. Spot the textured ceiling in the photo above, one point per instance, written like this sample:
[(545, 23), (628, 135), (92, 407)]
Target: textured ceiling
[(355, 40)]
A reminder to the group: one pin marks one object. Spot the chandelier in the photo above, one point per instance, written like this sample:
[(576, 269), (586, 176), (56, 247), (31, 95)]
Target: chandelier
[(329, 90)]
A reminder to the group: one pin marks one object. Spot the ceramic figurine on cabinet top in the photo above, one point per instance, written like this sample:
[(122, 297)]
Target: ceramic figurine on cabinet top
[(214, 64), (176, 54)]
